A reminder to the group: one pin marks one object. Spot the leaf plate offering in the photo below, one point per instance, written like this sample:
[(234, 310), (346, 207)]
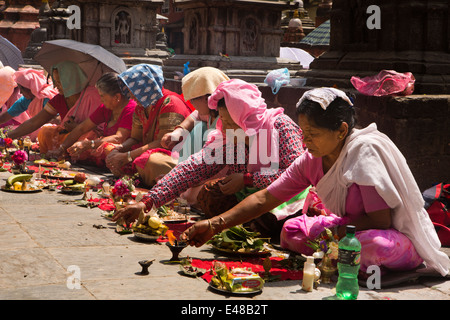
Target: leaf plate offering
[(239, 241)]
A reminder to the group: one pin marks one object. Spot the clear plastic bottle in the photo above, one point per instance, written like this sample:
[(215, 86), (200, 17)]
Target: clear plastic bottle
[(347, 287)]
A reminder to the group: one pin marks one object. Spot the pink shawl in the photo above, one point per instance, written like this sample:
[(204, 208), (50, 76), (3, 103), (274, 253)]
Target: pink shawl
[(7, 84), (248, 110), (36, 81)]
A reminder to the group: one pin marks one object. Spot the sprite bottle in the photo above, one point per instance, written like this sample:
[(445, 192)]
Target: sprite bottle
[(347, 287)]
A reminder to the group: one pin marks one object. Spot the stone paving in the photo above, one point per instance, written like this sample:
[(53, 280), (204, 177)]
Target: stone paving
[(44, 243)]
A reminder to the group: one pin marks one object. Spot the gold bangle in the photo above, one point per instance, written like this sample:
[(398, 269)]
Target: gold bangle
[(223, 223), (210, 225)]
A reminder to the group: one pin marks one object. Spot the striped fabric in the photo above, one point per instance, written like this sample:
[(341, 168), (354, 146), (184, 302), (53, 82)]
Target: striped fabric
[(320, 36)]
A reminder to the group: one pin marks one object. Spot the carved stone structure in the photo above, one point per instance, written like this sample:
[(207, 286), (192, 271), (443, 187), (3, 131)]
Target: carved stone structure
[(240, 36), (323, 12), (128, 28), (19, 21), (294, 32), (414, 37), (238, 28)]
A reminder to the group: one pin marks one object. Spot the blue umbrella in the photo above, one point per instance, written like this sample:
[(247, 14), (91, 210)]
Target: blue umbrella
[(10, 55), (320, 36)]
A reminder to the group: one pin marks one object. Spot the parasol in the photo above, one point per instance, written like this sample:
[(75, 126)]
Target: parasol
[(320, 36), (10, 55), (297, 54), (94, 60)]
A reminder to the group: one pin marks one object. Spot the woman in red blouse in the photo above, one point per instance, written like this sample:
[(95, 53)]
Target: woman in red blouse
[(115, 114)]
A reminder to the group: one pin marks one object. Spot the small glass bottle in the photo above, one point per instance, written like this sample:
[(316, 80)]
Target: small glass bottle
[(309, 269)]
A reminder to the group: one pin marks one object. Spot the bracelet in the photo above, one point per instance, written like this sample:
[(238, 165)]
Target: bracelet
[(179, 126), (129, 158), (92, 144), (148, 204), (210, 225), (221, 221)]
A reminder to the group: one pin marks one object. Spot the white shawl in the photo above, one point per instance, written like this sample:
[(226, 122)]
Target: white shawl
[(370, 158)]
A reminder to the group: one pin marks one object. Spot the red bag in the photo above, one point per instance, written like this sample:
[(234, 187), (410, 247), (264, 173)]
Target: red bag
[(437, 204)]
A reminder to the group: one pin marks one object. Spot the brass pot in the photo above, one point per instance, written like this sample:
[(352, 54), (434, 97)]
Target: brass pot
[(327, 269)]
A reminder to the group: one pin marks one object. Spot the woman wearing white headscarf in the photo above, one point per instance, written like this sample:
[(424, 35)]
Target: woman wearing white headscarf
[(362, 179)]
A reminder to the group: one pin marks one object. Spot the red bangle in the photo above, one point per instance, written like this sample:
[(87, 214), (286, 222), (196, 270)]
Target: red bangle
[(248, 179), (148, 203)]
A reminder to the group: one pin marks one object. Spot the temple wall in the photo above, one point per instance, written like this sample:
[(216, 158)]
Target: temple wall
[(241, 28), (419, 125)]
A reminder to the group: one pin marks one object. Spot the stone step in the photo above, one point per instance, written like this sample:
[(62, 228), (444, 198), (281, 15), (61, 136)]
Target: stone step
[(223, 63)]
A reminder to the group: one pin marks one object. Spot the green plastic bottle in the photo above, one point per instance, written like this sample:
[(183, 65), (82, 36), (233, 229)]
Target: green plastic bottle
[(347, 287)]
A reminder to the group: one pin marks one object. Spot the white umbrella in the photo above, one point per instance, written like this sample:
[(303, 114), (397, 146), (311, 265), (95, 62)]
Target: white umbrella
[(297, 55)]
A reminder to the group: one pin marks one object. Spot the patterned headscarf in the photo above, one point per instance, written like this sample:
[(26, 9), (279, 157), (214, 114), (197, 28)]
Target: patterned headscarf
[(145, 82)]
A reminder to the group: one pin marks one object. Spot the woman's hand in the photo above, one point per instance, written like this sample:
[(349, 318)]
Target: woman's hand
[(115, 161), (198, 234), (58, 154), (232, 183), (70, 124), (315, 212), (171, 139), (77, 148), (129, 214)]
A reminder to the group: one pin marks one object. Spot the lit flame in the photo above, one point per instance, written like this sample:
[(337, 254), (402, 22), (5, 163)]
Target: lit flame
[(171, 237)]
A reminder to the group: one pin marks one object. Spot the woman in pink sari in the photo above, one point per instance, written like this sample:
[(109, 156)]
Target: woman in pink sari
[(36, 92), (362, 179), (9, 94), (74, 103)]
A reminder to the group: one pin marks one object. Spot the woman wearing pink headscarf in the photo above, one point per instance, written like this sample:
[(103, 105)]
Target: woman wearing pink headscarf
[(268, 141), (9, 92), (36, 92)]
